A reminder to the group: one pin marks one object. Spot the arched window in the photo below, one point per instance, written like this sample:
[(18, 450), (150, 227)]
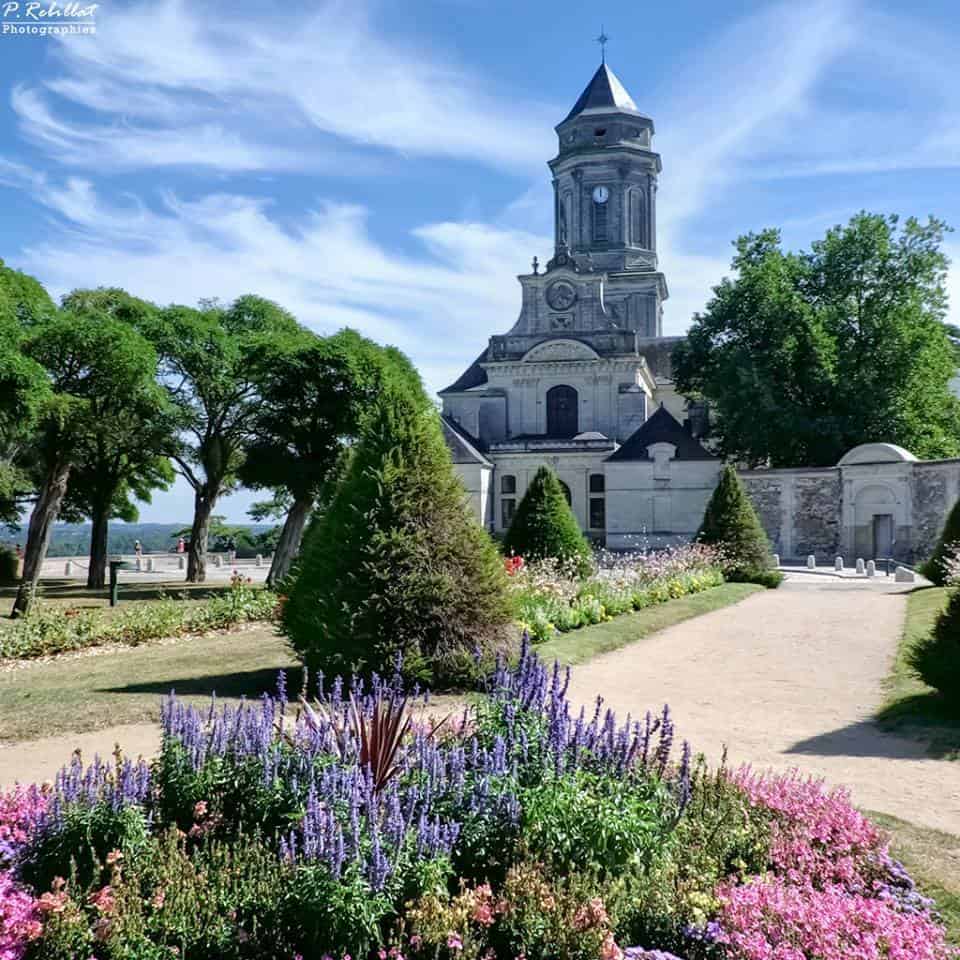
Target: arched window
[(567, 494), (563, 417)]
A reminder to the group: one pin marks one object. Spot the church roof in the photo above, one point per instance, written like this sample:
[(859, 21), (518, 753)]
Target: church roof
[(662, 427), (464, 448), (603, 92), (473, 376)]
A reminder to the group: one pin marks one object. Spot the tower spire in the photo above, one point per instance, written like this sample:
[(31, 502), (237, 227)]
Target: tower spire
[(603, 39)]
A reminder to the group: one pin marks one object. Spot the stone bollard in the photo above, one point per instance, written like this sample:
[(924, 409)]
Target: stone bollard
[(903, 575), (259, 561), (776, 560), (861, 569), (182, 562), (838, 564), (138, 563), (217, 562), (149, 564), (811, 562), (68, 569), (871, 568)]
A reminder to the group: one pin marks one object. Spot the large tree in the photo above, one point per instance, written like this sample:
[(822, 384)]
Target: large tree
[(803, 356), (96, 366), (313, 393), (211, 367)]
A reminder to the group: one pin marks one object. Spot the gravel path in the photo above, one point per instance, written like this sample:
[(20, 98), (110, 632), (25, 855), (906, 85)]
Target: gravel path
[(788, 678)]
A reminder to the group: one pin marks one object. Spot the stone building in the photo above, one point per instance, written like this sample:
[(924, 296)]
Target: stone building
[(582, 381)]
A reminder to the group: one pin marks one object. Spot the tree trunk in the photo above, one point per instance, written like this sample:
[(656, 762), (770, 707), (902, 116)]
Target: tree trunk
[(197, 555), (97, 571), (288, 546), (44, 514)]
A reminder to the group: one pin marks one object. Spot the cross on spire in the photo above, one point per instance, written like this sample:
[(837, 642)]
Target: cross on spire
[(603, 39)]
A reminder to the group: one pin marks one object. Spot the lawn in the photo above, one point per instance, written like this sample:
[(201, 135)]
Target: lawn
[(933, 860), (911, 707), (92, 690)]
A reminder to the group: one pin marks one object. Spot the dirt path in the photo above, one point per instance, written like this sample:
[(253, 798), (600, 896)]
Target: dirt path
[(788, 678)]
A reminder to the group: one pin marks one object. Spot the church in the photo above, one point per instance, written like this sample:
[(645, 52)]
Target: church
[(582, 382)]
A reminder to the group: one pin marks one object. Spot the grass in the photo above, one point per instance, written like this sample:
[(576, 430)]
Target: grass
[(933, 860), (77, 693), (911, 707), (577, 646)]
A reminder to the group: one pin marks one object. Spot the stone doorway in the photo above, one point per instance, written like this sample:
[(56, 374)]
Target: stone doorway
[(883, 535)]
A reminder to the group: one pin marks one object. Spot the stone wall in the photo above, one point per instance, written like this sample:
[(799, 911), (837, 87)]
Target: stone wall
[(767, 496), (933, 492), (816, 516)]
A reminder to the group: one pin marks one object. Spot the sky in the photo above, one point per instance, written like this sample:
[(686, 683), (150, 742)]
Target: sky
[(383, 166)]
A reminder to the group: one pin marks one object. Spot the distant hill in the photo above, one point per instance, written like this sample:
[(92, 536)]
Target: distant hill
[(73, 539)]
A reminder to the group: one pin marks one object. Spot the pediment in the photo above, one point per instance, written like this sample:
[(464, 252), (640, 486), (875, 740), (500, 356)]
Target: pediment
[(560, 349)]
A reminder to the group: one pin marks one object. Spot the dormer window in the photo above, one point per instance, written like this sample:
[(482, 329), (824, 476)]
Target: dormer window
[(600, 132)]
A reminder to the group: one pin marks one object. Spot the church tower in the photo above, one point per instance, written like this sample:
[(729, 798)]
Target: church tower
[(605, 179)]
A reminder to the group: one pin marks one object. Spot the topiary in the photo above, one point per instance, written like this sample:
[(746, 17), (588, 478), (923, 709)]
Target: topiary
[(936, 568), (936, 658), (396, 563), (731, 523), (544, 526)]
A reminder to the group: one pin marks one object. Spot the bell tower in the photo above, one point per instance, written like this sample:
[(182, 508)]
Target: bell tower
[(605, 180)]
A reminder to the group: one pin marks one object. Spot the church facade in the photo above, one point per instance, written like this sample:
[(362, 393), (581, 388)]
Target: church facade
[(582, 382)]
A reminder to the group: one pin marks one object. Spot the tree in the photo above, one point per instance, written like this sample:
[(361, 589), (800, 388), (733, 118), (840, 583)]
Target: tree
[(544, 526), (936, 568), (731, 523), (803, 356), (313, 392), (936, 658), (129, 454), (95, 365), (210, 361), (396, 562)]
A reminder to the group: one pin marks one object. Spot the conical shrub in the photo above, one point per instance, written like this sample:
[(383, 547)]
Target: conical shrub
[(731, 523), (544, 526), (935, 569), (396, 563), (936, 658)]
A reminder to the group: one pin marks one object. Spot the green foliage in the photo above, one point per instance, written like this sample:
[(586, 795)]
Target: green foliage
[(23, 301), (787, 351), (48, 630), (731, 523), (597, 822), (544, 526), (396, 563), (936, 658), (936, 569)]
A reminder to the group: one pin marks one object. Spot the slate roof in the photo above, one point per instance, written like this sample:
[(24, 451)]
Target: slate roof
[(464, 448), (473, 376), (603, 92), (662, 427)]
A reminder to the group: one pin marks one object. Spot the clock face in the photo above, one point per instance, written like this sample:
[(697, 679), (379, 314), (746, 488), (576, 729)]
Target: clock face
[(601, 194)]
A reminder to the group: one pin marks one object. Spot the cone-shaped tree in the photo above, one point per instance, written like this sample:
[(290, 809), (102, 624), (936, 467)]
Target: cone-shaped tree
[(395, 563), (935, 568), (936, 658), (544, 526), (730, 522)]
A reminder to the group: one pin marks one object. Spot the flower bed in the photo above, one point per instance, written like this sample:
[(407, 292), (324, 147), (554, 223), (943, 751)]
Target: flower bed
[(48, 630), (346, 828), (551, 598)]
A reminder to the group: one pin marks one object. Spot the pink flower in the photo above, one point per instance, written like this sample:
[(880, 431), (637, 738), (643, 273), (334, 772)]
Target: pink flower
[(454, 942), (609, 949), (199, 809)]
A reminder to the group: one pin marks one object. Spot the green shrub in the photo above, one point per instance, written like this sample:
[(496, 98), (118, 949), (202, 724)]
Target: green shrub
[(936, 568), (936, 658), (9, 566), (731, 523), (771, 579), (397, 564), (544, 526)]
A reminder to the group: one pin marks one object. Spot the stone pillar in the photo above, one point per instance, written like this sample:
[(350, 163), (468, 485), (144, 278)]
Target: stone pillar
[(838, 564), (903, 575), (138, 563), (217, 560), (68, 569), (811, 562), (861, 569), (259, 561), (871, 568), (776, 560), (182, 562), (149, 564)]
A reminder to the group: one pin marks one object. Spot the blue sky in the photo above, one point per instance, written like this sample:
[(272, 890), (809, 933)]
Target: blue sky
[(384, 165)]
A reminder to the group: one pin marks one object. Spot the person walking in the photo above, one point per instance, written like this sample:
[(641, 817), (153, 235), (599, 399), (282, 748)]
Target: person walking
[(181, 545)]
